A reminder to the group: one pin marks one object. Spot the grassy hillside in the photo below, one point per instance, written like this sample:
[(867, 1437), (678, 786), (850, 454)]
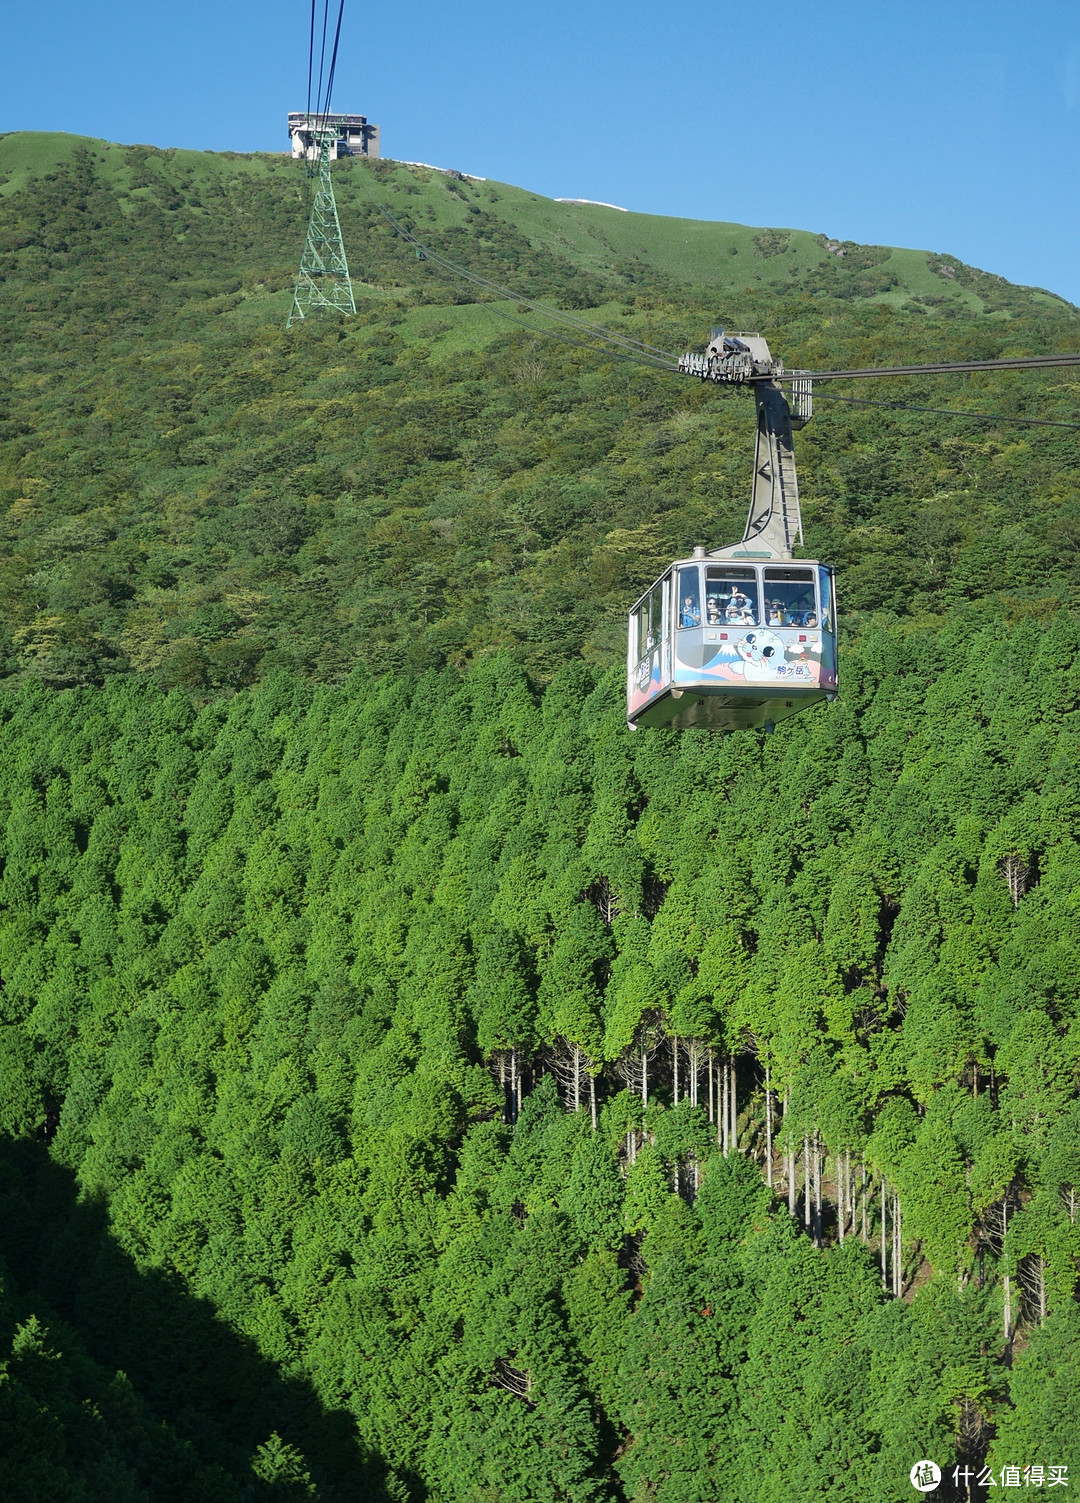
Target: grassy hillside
[(598, 239), (188, 490)]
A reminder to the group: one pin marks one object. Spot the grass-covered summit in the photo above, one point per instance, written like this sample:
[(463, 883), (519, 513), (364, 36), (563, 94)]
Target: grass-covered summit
[(186, 490)]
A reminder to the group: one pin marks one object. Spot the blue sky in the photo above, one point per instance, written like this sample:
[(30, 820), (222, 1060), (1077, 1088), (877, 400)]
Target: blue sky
[(951, 126)]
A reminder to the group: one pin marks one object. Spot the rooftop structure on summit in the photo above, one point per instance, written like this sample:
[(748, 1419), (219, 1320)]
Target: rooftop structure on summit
[(352, 136)]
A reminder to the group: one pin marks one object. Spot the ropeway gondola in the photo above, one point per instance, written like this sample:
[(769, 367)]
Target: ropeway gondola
[(745, 635)]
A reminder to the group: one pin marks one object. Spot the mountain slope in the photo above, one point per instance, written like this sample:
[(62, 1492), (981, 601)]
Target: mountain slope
[(185, 489)]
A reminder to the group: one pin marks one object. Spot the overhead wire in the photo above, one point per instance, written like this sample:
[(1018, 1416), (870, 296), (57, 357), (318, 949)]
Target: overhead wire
[(308, 167), (947, 367), (600, 340), (642, 353), (581, 344), (333, 60), (310, 57), (322, 101), (322, 58), (654, 358), (478, 279), (982, 417), (639, 349)]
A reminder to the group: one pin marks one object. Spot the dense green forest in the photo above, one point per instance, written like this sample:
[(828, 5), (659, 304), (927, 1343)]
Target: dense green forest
[(413, 1086)]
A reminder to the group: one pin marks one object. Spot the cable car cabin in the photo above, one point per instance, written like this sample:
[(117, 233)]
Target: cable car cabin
[(725, 644)]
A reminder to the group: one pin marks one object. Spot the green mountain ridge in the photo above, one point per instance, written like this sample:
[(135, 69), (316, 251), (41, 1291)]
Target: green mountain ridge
[(593, 237), (186, 489)]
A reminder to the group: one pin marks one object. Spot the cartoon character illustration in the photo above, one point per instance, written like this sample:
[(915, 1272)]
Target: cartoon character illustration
[(762, 653), (755, 657)]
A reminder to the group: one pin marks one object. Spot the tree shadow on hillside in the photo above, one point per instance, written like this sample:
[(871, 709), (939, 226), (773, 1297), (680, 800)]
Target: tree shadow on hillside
[(194, 1376)]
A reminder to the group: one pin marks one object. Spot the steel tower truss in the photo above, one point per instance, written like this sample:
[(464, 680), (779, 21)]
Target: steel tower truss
[(324, 280)]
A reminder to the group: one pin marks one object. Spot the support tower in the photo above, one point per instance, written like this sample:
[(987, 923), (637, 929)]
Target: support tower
[(324, 280)]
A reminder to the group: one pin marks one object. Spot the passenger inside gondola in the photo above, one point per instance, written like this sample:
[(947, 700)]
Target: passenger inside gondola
[(790, 593), (731, 596), (690, 598), (738, 609)]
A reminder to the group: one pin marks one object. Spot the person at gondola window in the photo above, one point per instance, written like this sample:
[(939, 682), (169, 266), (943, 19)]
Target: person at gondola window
[(738, 608), (689, 596), (712, 611)]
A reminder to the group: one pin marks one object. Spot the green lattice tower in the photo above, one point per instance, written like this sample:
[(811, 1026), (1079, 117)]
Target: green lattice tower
[(324, 273)]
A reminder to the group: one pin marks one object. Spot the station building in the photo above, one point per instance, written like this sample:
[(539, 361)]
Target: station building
[(354, 136)]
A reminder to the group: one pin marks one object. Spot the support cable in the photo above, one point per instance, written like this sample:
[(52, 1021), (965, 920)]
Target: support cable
[(636, 348), (594, 349), (322, 58), (982, 417), (944, 368), (654, 358), (310, 58), (333, 60), (599, 340), (508, 295)]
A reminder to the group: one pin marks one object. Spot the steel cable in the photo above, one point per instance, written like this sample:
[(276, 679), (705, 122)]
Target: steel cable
[(944, 368), (982, 417), (641, 353), (333, 61), (477, 278), (599, 340), (322, 57), (310, 58), (594, 349), (635, 348)]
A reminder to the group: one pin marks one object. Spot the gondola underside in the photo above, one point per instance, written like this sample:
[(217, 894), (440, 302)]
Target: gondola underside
[(708, 707)]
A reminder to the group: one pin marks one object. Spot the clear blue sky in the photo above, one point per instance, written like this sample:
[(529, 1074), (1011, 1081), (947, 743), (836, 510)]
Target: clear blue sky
[(951, 125)]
